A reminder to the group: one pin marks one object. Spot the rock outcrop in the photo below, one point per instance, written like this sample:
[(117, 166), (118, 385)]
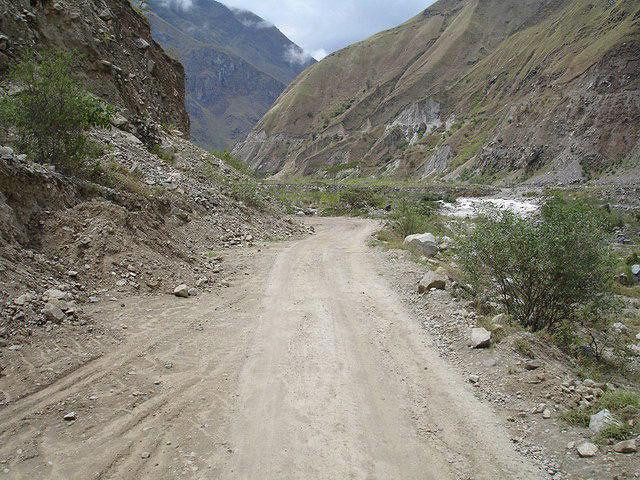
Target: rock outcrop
[(118, 59)]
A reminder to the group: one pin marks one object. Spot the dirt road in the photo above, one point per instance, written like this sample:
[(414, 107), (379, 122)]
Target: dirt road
[(308, 368)]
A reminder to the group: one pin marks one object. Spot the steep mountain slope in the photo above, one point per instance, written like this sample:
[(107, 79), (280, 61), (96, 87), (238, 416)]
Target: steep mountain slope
[(543, 90), (237, 65), (118, 59)]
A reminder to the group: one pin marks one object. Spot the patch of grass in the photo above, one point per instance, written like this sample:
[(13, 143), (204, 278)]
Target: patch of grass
[(577, 417), (118, 177), (620, 432), (233, 162), (523, 348), (163, 154), (624, 405)]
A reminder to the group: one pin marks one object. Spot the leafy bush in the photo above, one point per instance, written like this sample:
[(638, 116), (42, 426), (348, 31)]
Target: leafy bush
[(361, 198), (52, 111), (546, 270), (248, 191), (409, 218)]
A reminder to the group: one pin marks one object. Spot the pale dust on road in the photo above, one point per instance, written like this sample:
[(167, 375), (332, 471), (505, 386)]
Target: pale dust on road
[(309, 368)]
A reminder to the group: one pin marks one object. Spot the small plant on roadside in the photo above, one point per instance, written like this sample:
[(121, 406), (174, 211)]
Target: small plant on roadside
[(360, 199), (52, 111), (544, 271), (408, 219)]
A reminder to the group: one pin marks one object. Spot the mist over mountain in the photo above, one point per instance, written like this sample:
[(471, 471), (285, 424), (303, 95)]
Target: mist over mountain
[(236, 63)]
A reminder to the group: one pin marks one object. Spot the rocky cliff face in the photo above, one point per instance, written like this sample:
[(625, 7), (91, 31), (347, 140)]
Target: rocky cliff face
[(237, 65), (545, 91), (119, 61)]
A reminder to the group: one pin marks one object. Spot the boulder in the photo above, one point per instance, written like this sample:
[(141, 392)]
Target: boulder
[(431, 280), (6, 153), (601, 420), (619, 328), (4, 42), (532, 365), (587, 450), (53, 313), (181, 291), (55, 294), (142, 44), (70, 416), (23, 299), (425, 242), (635, 269), (105, 14), (480, 338), (628, 446)]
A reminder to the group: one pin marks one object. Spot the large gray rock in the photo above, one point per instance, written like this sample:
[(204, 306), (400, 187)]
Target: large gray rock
[(635, 269), (587, 450), (480, 338), (601, 420), (55, 294), (142, 44), (23, 299), (432, 280), (6, 153), (181, 291), (424, 242), (53, 313)]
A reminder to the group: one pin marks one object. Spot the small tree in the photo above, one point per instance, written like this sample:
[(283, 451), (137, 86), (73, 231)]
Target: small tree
[(544, 271), (52, 111)]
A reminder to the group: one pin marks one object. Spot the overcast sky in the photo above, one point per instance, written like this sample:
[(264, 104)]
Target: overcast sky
[(323, 26)]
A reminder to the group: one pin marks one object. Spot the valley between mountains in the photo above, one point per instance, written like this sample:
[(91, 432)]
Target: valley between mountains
[(416, 258)]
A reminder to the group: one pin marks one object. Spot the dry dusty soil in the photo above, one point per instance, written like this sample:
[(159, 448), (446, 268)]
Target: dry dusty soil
[(308, 367)]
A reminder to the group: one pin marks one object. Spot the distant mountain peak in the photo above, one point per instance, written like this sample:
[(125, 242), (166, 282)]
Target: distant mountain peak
[(237, 64)]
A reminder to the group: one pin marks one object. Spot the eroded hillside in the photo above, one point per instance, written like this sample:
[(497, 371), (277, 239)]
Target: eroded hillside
[(544, 91)]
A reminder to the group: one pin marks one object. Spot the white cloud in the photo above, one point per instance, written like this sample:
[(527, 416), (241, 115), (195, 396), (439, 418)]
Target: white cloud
[(256, 24), (323, 26), (296, 56), (319, 54), (249, 19), (181, 4)]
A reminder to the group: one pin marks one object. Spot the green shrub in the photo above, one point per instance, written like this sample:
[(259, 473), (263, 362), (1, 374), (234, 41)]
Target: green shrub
[(361, 198), (52, 112), (409, 218), (247, 191), (546, 270)]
